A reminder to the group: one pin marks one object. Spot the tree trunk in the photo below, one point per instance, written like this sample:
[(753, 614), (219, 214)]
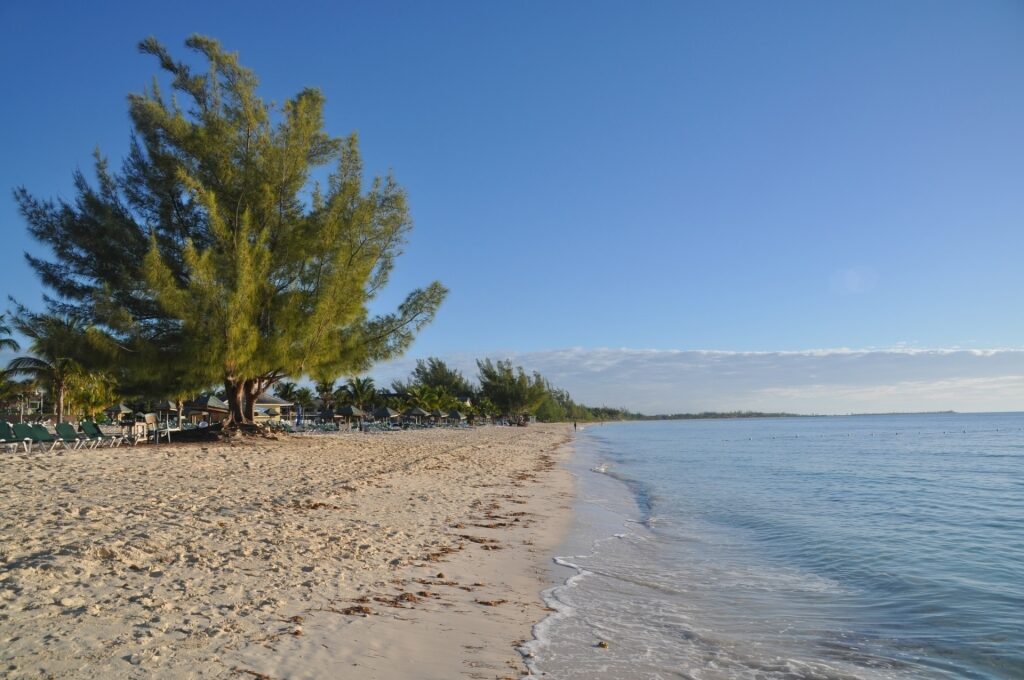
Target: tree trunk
[(235, 392), (251, 389), (242, 396)]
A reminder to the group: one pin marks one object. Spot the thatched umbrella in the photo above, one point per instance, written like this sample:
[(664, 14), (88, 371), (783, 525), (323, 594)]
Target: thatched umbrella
[(386, 413), (416, 412), (351, 412), (456, 415)]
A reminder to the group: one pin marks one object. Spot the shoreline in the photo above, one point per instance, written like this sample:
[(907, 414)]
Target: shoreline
[(419, 554)]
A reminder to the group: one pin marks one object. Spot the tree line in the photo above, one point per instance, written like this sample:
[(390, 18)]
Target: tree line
[(500, 390)]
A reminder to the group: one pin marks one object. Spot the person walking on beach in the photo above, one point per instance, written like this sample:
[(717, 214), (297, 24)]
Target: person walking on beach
[(574, 426)]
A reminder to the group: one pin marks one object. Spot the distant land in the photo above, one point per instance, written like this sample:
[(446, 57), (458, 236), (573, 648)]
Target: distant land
[(617, 414), (712, 415)]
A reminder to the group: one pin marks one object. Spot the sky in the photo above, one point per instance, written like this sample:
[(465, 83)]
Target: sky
[(626, 194)]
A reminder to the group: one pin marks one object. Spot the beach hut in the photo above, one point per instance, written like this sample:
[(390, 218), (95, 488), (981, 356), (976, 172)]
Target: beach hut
[(437, 415), (456, 416), (208, 406), (266, 402)]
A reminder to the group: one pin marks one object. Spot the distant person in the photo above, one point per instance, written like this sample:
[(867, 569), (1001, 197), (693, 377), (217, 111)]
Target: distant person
[(574, 426)]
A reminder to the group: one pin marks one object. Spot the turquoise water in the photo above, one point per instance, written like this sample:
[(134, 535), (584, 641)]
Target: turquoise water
[(839, 547)]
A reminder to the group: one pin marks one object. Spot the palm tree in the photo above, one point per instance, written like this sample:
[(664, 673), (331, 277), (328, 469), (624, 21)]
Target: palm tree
[(325, 391), (54, 340), (431, 398), (361, 391), (286, 390), (304, 397)]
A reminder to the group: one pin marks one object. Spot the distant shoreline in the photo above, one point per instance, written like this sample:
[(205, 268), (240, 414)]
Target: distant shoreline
[(714, 415)]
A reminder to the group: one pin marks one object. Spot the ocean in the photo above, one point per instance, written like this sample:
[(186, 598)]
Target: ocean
[(821, 547)]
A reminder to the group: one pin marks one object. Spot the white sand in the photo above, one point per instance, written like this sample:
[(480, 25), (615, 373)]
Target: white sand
[(245, 559)]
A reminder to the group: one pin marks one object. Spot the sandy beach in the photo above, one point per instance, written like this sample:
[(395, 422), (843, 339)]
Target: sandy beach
[(414, 554)]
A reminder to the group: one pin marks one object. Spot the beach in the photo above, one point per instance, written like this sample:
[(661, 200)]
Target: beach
[(392, 555)]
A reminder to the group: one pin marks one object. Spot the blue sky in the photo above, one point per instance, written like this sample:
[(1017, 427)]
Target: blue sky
[(741, 177)]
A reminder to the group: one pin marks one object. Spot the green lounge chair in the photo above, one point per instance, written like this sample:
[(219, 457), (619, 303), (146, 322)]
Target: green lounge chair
[(88, 438), (67, 433), (23, 433), (42, 436), (7, 437), (93, 432)]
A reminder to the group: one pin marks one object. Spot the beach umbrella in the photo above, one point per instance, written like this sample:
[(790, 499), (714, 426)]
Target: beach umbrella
[(351, 412), (416, 412), (386, 413), (437, 413), (456, 415)]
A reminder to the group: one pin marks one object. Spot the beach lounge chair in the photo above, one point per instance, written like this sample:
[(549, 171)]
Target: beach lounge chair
[(71, 438), (8, 439), (40, 435), (92, 440), (97, 436), (23, 433)]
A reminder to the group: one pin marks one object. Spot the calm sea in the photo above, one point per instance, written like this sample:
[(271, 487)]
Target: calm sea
[(839, 547)]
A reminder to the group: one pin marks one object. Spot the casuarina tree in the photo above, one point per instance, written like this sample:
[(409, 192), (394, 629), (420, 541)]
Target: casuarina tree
[(213, 257), (510, 389)]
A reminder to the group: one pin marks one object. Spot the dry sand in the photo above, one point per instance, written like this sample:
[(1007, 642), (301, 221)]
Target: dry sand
[(396, 555)]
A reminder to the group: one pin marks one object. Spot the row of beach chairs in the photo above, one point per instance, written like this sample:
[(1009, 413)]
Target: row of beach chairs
[(28, 436)]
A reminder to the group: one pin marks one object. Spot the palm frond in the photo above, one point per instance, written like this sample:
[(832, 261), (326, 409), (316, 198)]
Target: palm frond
[(28, 366)]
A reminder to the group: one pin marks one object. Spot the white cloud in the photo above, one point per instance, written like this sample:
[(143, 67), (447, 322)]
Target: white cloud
[(809, 381)]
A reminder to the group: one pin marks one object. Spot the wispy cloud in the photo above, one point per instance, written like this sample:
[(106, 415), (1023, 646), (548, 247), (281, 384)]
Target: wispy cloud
[(809, 381)]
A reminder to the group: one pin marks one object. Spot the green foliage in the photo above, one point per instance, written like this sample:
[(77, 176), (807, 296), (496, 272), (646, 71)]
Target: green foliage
[(511, 390), (483, 406), (252, 271), (89, 392), (305, 398), (286, 390), (325, 393), (435, 373), (359, 392), (6, 341), (15, 396), (58, 347), (550, 411), (431, 398)]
